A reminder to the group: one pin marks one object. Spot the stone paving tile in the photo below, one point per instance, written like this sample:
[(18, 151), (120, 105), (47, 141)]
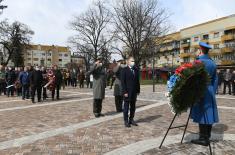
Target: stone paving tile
[(228, 103), (17, 102), (218, 148), (34, 120), (111, 135), (106, 136)]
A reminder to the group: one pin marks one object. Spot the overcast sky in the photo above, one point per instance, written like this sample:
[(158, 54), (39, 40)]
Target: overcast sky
[(49, 18)]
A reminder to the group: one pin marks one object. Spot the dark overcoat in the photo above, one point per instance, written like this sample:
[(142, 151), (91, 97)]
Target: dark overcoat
[(117, 83), (130, 83), (99, 78)]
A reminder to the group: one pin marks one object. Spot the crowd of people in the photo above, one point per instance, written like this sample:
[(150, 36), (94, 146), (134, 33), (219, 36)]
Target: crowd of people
[(30, 81), (226, 78)]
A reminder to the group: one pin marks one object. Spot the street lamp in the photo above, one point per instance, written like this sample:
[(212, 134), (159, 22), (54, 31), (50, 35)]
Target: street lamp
[(2, 6), (172, 61)]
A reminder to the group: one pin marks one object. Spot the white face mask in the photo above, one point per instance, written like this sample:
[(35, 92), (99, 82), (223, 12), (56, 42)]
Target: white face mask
[(37, 69), (101, 64), (123, 65), (132, 64)]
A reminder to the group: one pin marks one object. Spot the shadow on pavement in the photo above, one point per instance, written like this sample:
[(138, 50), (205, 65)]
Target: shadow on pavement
[(148, 119)]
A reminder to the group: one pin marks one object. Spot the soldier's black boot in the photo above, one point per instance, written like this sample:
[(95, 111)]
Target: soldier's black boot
[(203, 136), (209, 127)]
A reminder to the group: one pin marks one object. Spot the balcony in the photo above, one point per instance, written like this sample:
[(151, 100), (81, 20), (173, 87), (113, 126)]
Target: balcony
[(206, 40), (227, 50), (185, 45), (227, 62), (214, 52), (227, 37), (183, 55), (168, 48)]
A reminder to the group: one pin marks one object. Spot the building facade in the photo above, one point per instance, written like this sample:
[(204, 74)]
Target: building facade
[(44, 55), (77, 59), (182, 46)]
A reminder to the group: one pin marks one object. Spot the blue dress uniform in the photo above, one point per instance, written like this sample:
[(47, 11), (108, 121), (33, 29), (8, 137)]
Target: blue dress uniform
[(205, 113)]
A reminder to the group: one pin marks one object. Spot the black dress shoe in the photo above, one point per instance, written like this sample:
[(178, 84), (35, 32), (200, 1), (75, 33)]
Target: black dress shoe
[(201, 141), (133, 123), (97, 115), (127, 125), (101, 115)]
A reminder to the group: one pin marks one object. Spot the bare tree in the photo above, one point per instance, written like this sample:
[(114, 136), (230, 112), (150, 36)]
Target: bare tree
[(15, 39), (91, 28), (137, 22)]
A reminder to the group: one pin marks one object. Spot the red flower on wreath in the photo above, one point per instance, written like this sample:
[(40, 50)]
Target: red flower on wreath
[(179, 70), (197, 62)]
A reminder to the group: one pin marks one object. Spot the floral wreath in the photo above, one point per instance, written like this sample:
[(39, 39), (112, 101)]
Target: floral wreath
[(187, 86)]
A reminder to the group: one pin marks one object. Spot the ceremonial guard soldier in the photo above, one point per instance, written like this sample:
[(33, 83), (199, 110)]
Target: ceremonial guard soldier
[(205, 112)]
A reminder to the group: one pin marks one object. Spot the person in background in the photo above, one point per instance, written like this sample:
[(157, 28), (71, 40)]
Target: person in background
[(131, 88), (91, 81), (87, 80), (58, 82), (44, 82), (233, 82), (18, 85), (36, 80), (2, 80), (67, 77), (220, 79), (99, 76), (118, 85), (24, 81), (64, 78), (10, 78), (74, 78), (112, 80), (227, 81), (81, 79)]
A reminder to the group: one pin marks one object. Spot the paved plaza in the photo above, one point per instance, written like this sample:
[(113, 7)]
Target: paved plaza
[(68, 126)]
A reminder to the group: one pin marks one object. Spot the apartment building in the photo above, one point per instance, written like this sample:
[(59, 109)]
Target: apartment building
[(169, 54), (182, 46), (45, 55)]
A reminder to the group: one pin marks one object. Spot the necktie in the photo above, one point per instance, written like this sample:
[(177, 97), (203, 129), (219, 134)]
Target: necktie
[(133, 72)]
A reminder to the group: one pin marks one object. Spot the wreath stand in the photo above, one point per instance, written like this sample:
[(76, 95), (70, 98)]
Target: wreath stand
[(180, 126)]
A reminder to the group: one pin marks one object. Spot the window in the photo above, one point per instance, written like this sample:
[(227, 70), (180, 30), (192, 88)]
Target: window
[(43, 54), (48, 59), (29, 58), (206, 36), (196, 39), (60, 59), (35, 59), (216, 34), (66, 55), (186, 51), (48, 54), (60, 55), (216, 46), (186, 59)]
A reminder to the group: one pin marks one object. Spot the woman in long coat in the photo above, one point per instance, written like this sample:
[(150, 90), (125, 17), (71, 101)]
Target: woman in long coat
[(205, 112), (99, 78)]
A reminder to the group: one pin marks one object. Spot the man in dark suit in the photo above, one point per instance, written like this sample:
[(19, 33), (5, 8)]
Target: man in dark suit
[(36, 80), (131, 88), (58, 82)]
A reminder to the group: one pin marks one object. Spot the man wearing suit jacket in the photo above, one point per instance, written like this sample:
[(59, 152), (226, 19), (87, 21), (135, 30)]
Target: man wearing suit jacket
[(131, 88)]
